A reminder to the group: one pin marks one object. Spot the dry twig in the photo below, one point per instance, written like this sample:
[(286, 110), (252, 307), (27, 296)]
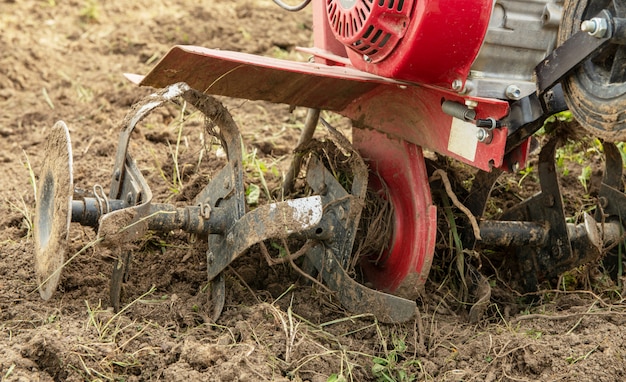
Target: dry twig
[(440, 174)]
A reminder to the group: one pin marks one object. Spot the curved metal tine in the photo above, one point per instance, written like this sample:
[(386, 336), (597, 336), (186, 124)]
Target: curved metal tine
[(550, 189), (218, 295), (138, 113), (119, 276), (358, 298), (613, 167), (231, 141)]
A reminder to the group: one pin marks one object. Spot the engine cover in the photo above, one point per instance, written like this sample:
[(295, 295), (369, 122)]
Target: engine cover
[(371, 30), (427, 41)]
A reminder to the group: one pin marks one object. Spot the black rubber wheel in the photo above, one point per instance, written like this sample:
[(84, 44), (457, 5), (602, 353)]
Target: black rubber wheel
[(596, 91)]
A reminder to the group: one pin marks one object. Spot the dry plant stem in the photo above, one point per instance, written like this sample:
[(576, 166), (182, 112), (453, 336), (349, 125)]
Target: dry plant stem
[(440, 174), (308, 245), (513, 378), (587, 292), (271, 261), (419, 328), (310, 124), (244, 283), (501, 353), (565, 316), (290, 258)]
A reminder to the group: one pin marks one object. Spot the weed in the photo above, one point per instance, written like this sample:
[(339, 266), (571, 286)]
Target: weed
[(31, 174), (568, 281), (9, 372), (174, 180), (535, 334), (46, 97), (107, 330), (258, 168), (336, 378), (253, 192), (572, 360), (245, 34), (549, 124), (391, 367), (27, 216), (457, 252), (577, 153), (584, 177), (525, 172), (90, 13)]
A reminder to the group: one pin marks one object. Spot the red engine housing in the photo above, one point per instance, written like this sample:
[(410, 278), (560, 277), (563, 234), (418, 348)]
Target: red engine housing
[(428, 41)]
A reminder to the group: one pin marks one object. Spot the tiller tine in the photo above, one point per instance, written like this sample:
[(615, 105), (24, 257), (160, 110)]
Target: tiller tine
[(546, 245), (329, 219)]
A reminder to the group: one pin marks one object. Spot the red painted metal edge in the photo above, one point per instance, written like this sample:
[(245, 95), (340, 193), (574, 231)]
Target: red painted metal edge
[(404, 267), (399, 109)]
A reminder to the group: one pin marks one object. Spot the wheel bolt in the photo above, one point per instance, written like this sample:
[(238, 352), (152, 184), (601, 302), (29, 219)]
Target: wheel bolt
[(596, 27)]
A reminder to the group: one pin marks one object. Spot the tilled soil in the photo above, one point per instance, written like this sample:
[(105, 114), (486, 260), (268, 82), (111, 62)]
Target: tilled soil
[(65, 60)]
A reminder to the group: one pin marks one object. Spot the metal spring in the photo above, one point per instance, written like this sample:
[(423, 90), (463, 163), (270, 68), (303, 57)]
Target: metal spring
[(102, 199)]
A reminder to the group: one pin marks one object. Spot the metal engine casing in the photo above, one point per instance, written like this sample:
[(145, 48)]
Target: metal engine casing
[(481, 48), (521, 33)]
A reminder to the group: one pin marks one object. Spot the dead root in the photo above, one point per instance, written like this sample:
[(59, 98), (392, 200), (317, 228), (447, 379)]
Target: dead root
[(376, 226), (440, 174)]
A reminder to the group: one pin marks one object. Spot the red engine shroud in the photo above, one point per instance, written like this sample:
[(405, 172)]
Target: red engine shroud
[(436, 44)]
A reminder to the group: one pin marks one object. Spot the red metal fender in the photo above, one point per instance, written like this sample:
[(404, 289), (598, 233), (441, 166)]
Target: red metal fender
[(396, 108), (404, 267)]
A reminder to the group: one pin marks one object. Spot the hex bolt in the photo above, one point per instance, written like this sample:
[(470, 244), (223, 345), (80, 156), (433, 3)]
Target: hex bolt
[(341, 213), (513, 92), (481, 134), (367, 59), (596, 27), (457, 85), (484, 135)]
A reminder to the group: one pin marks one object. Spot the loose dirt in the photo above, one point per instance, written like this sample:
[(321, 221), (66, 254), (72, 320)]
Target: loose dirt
[(65, 60)]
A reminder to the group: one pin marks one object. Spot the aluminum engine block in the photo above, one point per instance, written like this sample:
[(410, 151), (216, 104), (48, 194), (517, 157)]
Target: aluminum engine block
[(521, 33)]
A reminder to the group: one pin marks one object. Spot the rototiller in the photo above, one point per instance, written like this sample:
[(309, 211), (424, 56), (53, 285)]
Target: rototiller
[(472, 80)]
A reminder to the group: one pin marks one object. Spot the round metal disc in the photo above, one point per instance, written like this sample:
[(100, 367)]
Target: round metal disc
[(53, 211)]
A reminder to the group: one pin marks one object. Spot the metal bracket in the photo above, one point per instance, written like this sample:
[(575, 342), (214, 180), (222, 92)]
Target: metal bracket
[(577, 49)]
